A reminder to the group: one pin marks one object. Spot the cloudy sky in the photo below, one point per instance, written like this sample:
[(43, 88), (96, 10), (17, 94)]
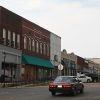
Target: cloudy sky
[(77, 22)]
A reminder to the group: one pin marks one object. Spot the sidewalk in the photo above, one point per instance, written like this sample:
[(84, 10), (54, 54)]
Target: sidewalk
[(14, 85)]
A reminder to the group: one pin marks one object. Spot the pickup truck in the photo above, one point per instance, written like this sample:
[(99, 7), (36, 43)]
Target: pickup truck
[(94, 76)]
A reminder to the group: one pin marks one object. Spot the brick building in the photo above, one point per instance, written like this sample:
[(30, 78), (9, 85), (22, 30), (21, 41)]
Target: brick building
[(82, 64), (28, 45)]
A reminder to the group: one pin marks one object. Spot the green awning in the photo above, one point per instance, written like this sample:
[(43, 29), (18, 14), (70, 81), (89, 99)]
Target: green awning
[(26, 59)]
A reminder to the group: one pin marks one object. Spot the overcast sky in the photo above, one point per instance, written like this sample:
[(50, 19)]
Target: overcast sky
[(77, 22)]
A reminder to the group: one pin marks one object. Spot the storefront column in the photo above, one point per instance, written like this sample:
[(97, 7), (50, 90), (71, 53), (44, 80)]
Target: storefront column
[(18, 72)]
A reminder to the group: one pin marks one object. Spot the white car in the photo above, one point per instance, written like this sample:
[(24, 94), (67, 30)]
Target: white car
[(84, 78)]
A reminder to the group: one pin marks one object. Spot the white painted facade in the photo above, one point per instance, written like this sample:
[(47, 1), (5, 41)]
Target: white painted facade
[(55, 49)]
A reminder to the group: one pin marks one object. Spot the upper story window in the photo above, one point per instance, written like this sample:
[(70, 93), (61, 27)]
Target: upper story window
[(33, 45), (4, 33), (14, 39), (29, 45), (37, 46), (9, 37), (4, 36), (14, 36), (25, 42), (18, 38), (41, 48), (47, 50), (44, 49), (18, 41)]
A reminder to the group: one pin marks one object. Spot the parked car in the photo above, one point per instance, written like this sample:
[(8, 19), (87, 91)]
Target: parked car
[(66, 84), (84, 78)]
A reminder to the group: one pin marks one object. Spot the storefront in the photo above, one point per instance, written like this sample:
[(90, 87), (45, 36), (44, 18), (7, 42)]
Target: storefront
[(10, 63), (34, 68)]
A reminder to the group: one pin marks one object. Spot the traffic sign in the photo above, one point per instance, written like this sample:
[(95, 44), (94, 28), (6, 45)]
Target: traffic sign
[(60, 67)]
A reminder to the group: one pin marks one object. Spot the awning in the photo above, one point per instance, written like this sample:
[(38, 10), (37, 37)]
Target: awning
[(26, 59)]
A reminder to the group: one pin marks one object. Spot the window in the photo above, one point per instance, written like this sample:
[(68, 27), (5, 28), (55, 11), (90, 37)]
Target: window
[(25, 42), (41, 48), (9, 37), (44, 49), (14, 39), (37, 46), (14, 36), (47, 50), (18, 41), (82, 76), (33, 45), (29, 44), (4, 36), (4, 33)]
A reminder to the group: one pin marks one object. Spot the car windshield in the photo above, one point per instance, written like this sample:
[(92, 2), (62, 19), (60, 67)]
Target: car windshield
[(63, 79)]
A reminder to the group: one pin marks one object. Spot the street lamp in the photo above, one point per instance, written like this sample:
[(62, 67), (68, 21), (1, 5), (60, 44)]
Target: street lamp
[(4, 54)]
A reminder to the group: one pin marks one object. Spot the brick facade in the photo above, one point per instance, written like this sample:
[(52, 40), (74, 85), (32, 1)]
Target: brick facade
[(38, 34), (20, 34)]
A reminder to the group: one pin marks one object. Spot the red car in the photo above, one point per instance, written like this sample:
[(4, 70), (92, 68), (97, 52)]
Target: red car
[(66, 84)]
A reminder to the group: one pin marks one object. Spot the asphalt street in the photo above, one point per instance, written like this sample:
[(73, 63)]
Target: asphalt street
[(92, 92)]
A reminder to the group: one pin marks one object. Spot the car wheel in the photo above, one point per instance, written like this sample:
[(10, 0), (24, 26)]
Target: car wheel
[(74, 92), (88, 81), (53, 93), (82, 90)]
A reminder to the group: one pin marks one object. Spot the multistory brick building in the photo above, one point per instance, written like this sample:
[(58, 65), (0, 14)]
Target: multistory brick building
[(26, 47), (82, 64), (10, 51)]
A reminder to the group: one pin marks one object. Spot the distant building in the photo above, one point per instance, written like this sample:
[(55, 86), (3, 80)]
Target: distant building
[(82, 64), (94, 64), (96, 60), (69, 61)]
